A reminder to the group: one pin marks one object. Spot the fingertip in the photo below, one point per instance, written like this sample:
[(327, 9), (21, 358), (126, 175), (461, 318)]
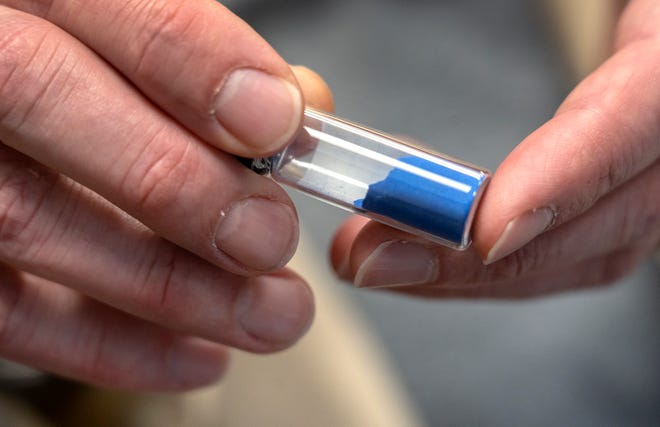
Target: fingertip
[(488, 224), (522, 183), (315, 90), (193, 362), (275, 310), (340, 248), (259, 112)]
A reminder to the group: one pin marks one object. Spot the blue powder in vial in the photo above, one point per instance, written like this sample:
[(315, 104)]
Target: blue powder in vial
[(422, 203)]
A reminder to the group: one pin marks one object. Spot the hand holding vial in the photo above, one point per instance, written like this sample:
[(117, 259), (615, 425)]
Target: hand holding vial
[(576, 204), (135, 248)]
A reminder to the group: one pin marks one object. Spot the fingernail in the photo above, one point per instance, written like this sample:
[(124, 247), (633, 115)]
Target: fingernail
[(397, 263), (274, 309), (260, 234), (194, 362), (261, 110), (520, 231)]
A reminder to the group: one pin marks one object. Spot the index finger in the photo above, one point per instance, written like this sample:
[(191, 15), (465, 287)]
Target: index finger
[(196, 60)]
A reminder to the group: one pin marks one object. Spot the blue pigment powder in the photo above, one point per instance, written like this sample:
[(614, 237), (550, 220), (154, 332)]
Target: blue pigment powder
[(422, 203)]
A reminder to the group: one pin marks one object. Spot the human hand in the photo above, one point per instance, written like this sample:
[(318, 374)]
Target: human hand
[(134, 246), (576, 204)]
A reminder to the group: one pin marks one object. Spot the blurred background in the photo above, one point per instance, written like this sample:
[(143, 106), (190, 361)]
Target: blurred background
[(469, 78)]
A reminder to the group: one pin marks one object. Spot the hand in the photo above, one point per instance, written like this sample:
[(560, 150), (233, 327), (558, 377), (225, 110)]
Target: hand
[(134, 246), (576, 204)]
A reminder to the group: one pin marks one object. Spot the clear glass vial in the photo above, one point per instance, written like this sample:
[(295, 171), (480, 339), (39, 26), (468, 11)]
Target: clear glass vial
[(378, 176)]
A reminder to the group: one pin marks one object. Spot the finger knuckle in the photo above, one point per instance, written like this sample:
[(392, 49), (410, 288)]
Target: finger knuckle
[(164, 26), (162, 278), (93, 360), (29, 61), (602, 160), (510, 267), (612, 168), (641, 212), (519, 263), (22, 191), (156, 177), (17, 47)]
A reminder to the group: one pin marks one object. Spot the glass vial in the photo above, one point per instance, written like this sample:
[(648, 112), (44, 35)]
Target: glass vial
[(378, 176)]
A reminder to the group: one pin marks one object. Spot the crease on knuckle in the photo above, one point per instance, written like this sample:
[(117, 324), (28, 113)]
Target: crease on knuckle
[(162, 278), (94, 343), (604, 169), (606, 158), (641, 219), (159, 173), (22, 193), (31, 61), (18, 47), (518, 264), (94, 352), (618, 166), (163, 27)]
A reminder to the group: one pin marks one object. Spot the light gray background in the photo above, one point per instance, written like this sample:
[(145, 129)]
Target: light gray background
[(472, 78)]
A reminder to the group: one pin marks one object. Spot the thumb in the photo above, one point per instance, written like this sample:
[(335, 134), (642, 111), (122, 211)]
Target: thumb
[(605, 133)]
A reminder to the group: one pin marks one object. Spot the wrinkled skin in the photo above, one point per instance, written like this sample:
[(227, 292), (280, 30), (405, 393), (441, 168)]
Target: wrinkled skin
[(135, 248)]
